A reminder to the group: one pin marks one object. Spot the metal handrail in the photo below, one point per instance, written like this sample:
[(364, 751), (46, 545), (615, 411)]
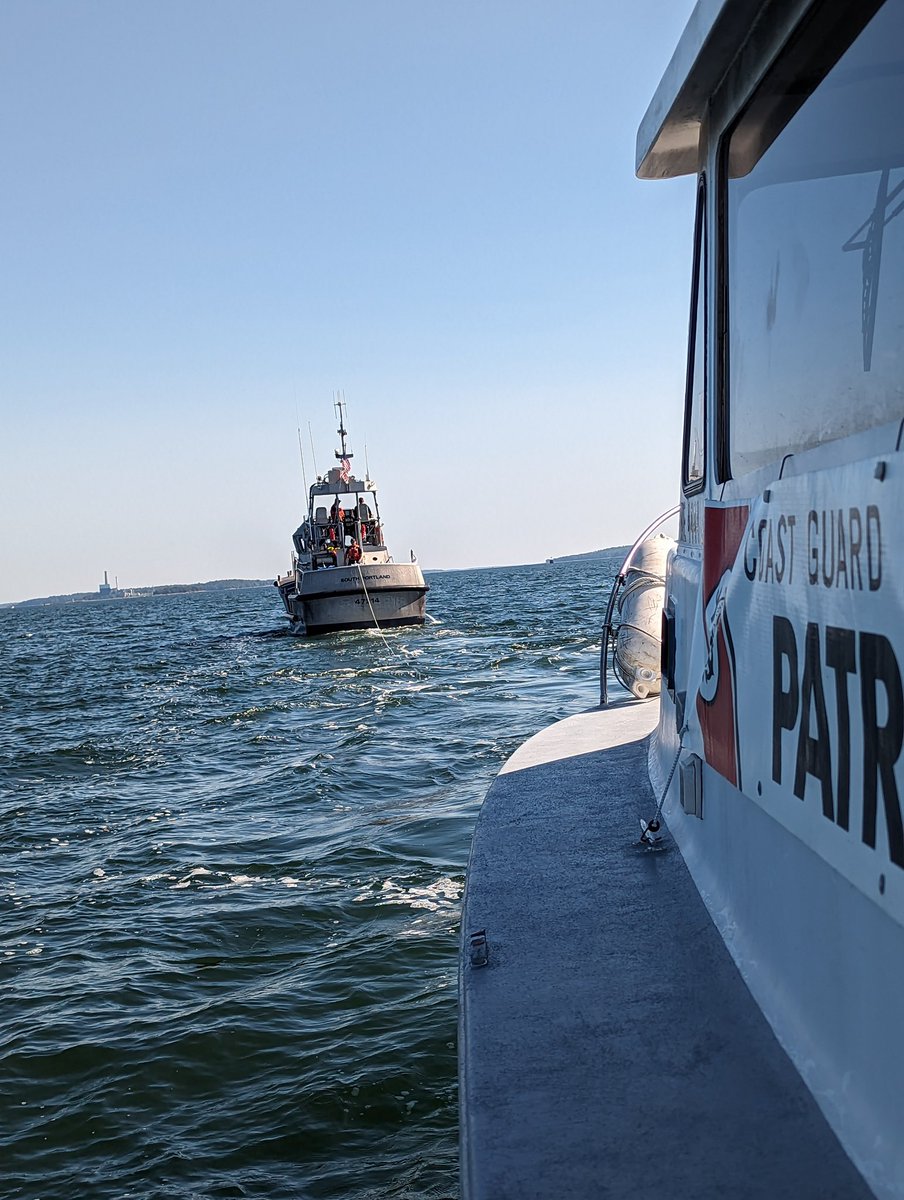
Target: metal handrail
[(610, 607)]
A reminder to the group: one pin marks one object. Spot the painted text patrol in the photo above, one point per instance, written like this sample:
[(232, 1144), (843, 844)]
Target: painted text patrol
[(810, 738)]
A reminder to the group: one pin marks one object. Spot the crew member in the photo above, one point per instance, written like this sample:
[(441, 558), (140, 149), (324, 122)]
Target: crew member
[(353, 554)]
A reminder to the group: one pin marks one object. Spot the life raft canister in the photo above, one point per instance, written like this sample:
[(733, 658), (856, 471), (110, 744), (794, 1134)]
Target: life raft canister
[(638, 642)]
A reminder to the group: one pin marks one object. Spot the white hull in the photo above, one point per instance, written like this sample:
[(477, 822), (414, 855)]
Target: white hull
[(333, 599)]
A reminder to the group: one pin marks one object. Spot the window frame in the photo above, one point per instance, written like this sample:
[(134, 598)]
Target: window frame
[(691, 487)]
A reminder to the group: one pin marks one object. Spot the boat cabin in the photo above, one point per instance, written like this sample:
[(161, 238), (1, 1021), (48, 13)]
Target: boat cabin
[(789, 115), (343, 513)]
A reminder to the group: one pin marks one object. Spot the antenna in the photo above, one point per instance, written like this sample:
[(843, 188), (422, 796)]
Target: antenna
[(313, 455), (304, 474), (366, 463), (339, 405)]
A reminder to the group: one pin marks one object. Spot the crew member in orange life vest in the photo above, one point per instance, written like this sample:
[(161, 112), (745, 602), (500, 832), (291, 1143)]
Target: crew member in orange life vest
[(352, 554)]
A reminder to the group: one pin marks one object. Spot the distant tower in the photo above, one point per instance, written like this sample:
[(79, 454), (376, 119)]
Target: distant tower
[(105, 588)]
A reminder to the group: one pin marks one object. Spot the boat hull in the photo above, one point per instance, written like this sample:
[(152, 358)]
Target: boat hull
[(335, 599)]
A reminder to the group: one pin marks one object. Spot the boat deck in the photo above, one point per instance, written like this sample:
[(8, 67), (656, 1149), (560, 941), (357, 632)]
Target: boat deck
[(610, 1048)]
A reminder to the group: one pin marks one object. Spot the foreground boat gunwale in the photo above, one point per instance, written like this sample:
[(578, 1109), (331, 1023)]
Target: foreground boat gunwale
[(610, 1046)]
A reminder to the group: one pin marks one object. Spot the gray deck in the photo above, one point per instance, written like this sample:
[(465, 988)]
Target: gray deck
[(610, 1048)]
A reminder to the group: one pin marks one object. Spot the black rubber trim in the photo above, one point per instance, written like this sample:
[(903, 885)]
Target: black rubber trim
[(344, 626), (374, 591)]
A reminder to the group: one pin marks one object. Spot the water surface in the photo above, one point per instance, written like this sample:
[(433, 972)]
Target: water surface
[(232, 870)]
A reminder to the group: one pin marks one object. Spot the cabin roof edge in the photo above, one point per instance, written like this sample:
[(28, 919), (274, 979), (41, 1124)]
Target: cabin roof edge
[(668, 140)]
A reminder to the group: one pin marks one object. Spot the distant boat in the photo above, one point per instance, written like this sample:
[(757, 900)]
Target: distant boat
[(343, 576)]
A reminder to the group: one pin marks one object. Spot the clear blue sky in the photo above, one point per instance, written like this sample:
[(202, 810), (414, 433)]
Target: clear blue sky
[(214, 211)]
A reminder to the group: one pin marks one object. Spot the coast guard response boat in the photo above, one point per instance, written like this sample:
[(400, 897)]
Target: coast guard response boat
[(343, 576), (713, 1008)]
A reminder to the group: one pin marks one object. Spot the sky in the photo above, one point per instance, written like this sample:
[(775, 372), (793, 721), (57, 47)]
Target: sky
[(214, 215)]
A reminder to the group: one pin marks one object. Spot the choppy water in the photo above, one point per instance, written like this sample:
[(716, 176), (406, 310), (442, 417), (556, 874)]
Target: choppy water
[(232, 863)]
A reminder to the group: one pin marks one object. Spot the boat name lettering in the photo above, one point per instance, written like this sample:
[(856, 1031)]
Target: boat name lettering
[(799, 689), (843, 548), (366, 578)]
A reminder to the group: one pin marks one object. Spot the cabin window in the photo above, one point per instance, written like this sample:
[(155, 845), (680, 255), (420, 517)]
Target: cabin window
[(816, 251), (695, 390)]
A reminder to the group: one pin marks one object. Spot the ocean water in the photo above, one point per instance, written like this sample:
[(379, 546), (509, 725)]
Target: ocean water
[(232, 865)]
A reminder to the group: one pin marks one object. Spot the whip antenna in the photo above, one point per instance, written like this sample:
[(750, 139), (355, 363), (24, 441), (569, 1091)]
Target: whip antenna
[(304, 475)]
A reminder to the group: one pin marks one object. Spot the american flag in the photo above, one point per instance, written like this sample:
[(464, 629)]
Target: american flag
[(346, 470)]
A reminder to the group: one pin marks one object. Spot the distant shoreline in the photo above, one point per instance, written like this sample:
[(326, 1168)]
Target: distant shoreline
[(588, 554), (234, 585), (138, 593)]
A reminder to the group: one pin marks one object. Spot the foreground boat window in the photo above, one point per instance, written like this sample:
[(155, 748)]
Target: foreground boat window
[(695, 390), (816, 260)]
